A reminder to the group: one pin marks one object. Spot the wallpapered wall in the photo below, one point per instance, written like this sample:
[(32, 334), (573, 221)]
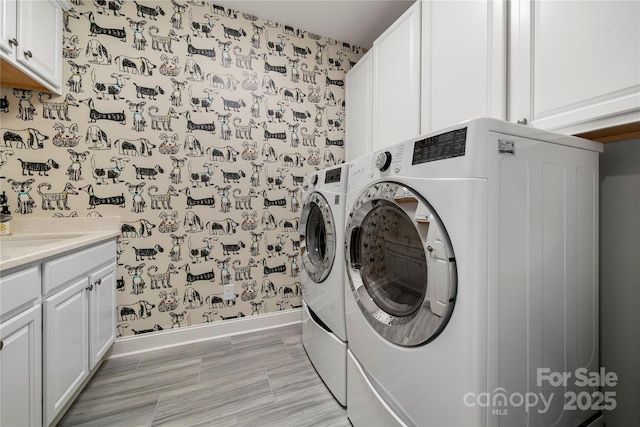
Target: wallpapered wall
[(195, 124)]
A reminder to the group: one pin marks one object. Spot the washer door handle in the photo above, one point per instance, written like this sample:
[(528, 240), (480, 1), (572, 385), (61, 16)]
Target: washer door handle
[(354, 248)]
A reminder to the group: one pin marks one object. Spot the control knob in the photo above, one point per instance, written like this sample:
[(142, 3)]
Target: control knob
[(383, 161)]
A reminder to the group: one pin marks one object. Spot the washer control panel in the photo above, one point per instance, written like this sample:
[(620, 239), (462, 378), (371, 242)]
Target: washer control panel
[(333, 176)]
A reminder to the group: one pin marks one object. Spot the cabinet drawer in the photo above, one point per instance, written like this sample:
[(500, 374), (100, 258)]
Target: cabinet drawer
[(61, 270), (19, 288)]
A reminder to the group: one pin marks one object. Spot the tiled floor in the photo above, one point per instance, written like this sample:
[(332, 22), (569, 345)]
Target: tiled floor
[(257, 379)]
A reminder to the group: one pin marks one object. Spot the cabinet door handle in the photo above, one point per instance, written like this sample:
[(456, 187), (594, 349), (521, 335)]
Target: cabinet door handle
[(28, 54), (13, 42), (90, 288), (522, 121), (98, 282), (1, 345)]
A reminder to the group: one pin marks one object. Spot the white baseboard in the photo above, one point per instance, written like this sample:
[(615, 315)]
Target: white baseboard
[(206, 331)]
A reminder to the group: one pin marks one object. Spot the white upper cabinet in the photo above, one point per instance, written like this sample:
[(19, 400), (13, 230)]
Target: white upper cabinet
[(396, 81), (31, 44), (568, 66), (9, 28), (359, 108), (463, 62), (440, 63), (40, 34), (574, 65)]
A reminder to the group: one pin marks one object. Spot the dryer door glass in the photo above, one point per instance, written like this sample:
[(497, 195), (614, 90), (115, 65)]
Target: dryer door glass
[(317, 237), (395, 271), (401, 265)]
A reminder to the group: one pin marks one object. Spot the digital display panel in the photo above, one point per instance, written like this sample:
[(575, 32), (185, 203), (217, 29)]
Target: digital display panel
[(332, 176), (440, 147)]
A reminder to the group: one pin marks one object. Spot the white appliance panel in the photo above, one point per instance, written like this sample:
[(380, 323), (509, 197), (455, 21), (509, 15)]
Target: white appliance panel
[(520, 209), (324, 331)]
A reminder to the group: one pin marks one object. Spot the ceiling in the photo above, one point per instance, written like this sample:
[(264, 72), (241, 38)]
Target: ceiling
[(357, 22)]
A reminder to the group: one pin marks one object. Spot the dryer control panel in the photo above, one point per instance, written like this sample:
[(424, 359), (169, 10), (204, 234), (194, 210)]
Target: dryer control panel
[(440, 147)]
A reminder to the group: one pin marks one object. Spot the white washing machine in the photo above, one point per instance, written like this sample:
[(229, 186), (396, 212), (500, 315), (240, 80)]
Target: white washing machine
[(324, 332), (472, 271)]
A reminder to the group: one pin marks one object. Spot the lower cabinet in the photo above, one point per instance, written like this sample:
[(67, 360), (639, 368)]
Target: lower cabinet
[(57, 321), (66, 345), (78, 322), (102, 307), (21, 369)]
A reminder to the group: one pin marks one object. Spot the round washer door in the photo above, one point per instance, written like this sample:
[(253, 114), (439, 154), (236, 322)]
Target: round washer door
[(401, 264), (317, 237)]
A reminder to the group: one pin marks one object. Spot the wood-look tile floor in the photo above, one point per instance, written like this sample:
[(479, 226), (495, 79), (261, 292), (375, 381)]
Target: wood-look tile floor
[(257, 379)]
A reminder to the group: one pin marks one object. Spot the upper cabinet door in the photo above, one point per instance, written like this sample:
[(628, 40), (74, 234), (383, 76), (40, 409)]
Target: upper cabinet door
[(396, 80), (359, 108), (574, 65), (463, 62), (8, 28), (40, 36)]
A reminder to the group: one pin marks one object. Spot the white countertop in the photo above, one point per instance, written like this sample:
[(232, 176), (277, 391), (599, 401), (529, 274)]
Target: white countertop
[(52, 236)]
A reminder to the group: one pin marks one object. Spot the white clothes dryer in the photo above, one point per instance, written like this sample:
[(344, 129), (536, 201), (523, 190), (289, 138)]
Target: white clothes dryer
[(324, 332), (472, 278)]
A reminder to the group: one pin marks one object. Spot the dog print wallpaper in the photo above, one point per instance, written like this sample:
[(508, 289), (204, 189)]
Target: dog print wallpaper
[(195, 124)]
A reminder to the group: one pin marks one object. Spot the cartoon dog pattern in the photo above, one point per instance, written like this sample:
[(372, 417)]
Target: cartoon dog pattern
[(126, 65)]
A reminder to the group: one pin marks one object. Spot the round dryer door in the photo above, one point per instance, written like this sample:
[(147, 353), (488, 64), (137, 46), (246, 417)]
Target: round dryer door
[(317, 237), (401, 264)]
